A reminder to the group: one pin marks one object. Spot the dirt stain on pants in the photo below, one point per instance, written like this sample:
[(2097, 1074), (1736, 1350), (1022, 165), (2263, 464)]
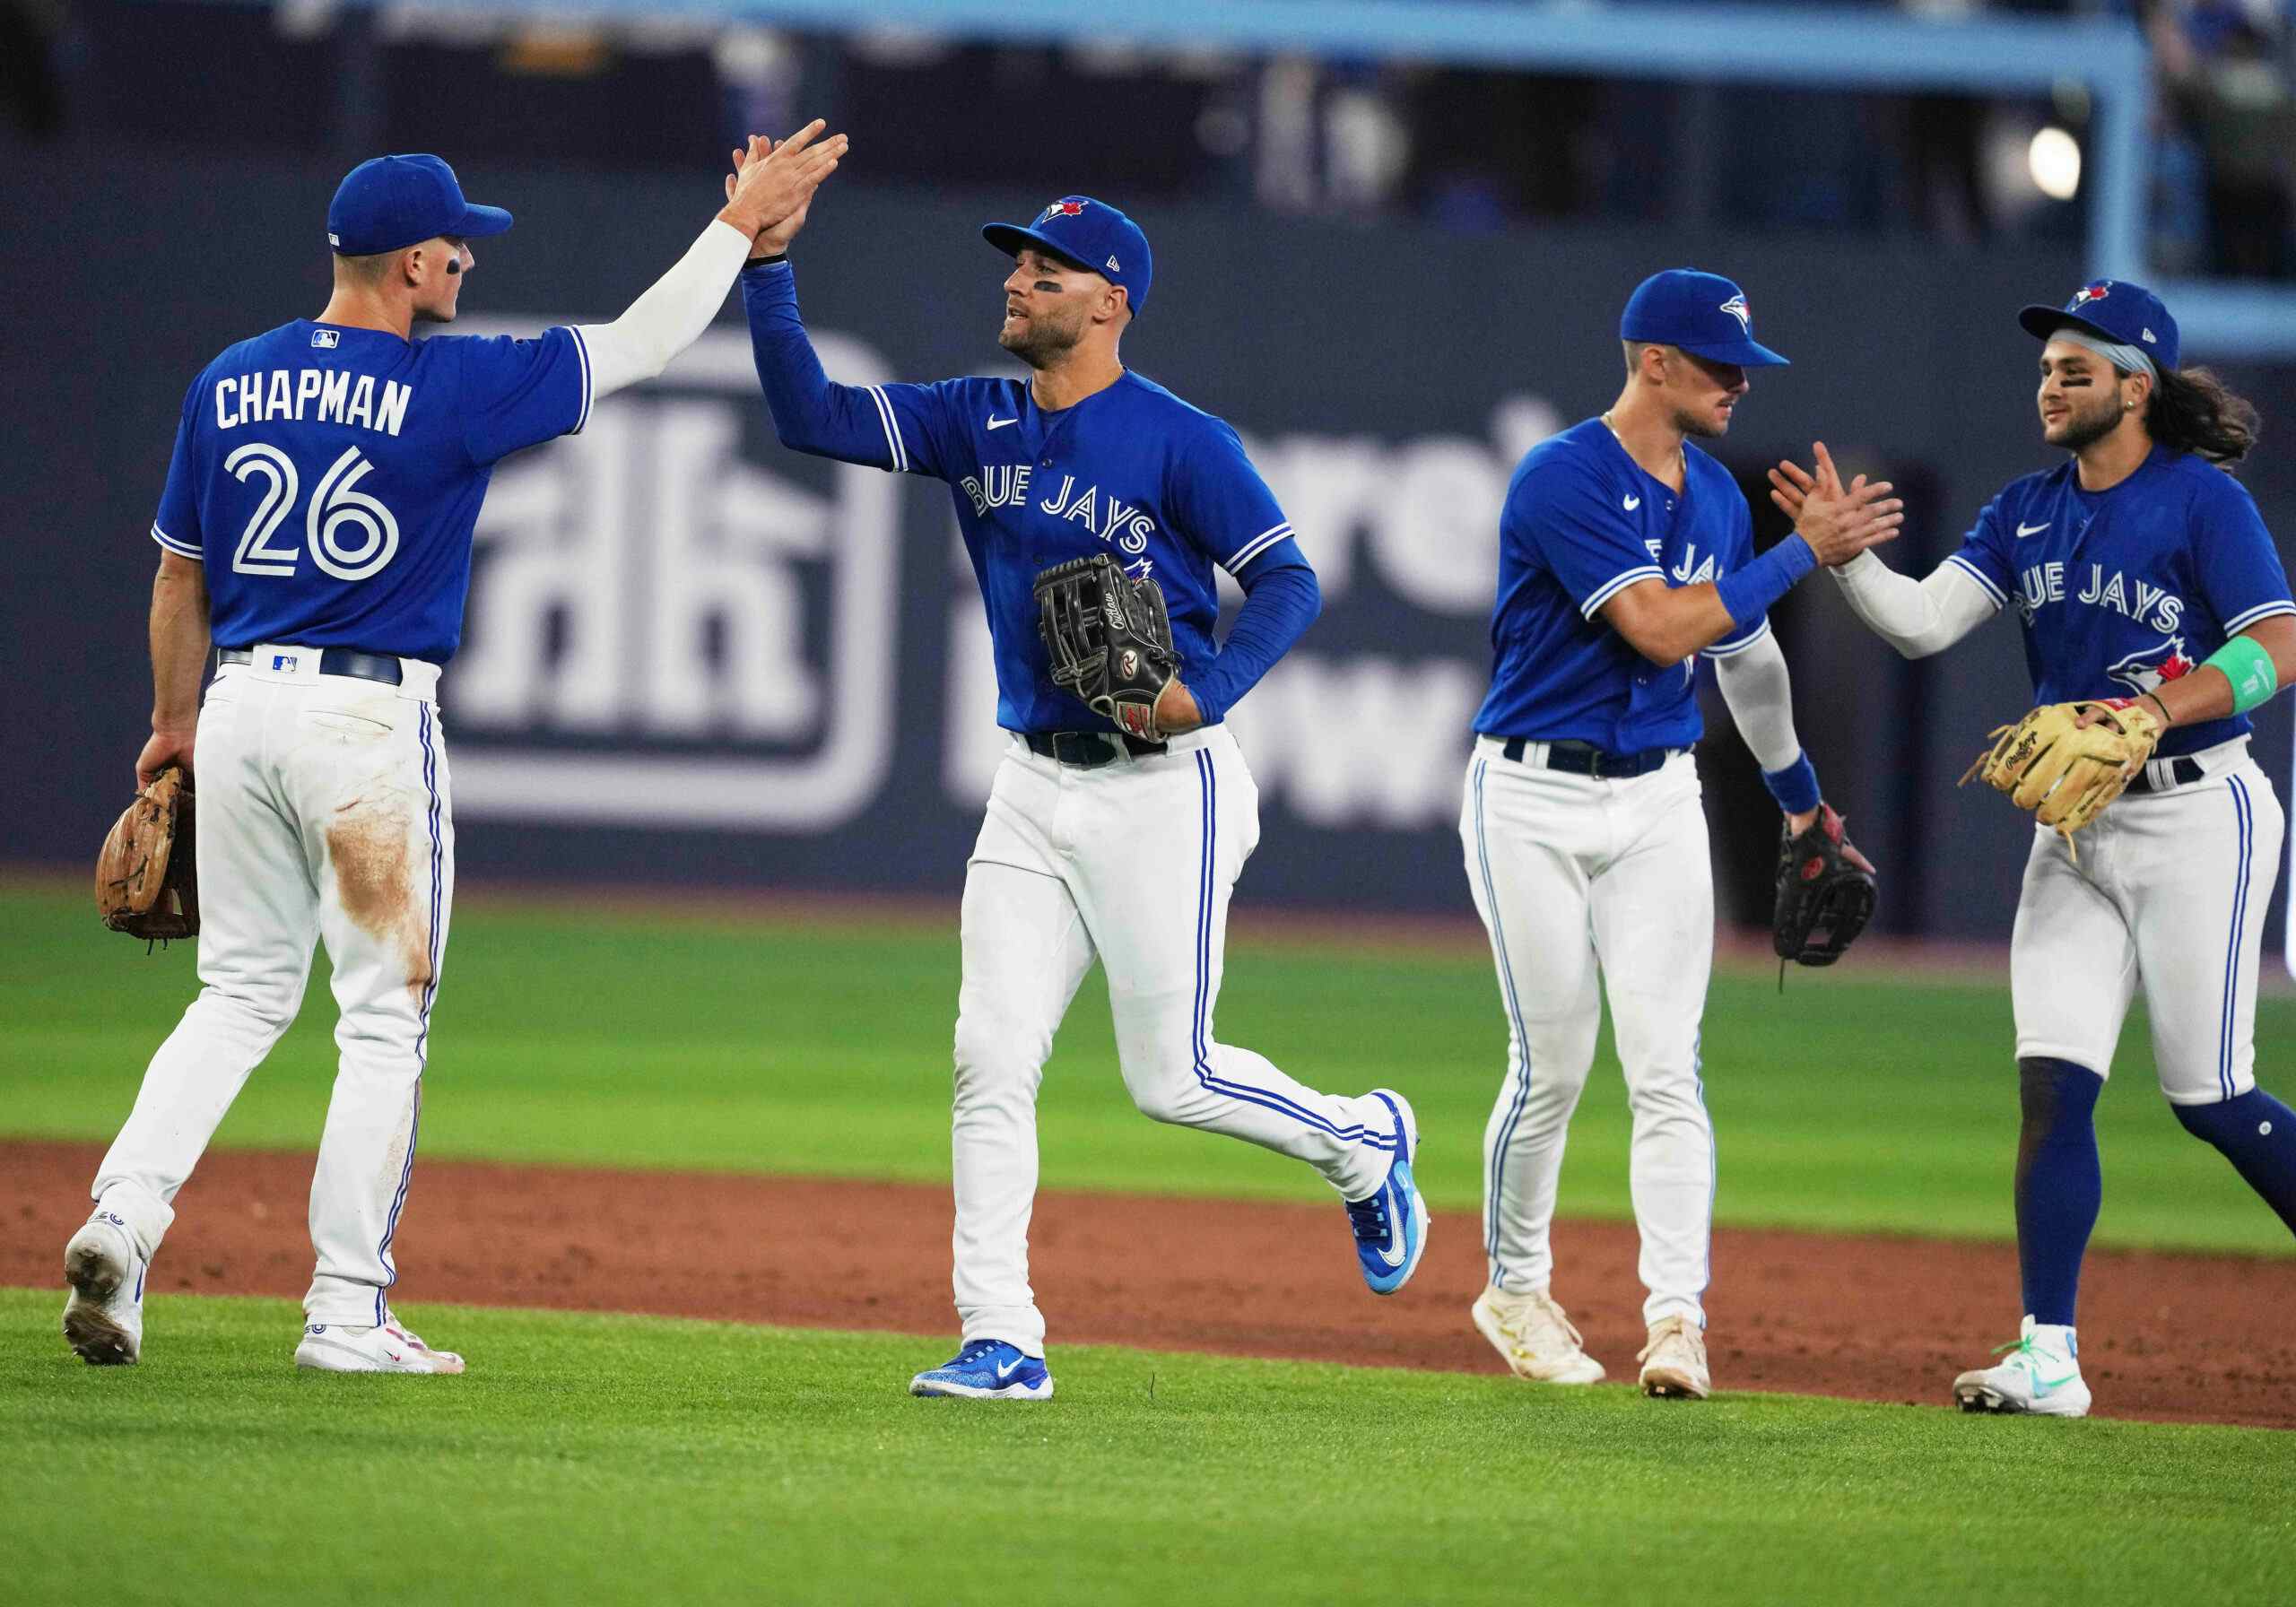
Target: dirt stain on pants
[(367, 844)]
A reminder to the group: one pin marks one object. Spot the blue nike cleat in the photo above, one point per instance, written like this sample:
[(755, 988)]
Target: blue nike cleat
[(988, 1369), (1391, 1226)]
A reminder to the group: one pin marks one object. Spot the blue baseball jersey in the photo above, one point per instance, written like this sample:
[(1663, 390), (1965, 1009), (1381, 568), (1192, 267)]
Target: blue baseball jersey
[(1132, 471), (1582, 522), (2123, 589), (330, 477)]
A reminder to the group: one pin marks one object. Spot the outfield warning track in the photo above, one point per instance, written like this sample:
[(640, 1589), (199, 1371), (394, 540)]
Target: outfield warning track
[(2169, 1337)]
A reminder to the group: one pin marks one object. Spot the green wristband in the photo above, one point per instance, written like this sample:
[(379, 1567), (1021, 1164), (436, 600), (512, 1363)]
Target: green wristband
[(2249, 668)]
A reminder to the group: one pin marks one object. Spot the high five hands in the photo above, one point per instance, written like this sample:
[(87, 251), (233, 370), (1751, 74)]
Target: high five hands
[(1837, 521), (771, 186)]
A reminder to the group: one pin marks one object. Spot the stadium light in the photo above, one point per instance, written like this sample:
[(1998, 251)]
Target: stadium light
[(2054, 159)]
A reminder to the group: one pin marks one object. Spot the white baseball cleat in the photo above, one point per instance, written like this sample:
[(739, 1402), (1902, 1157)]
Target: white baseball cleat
[(383, 1348), (103, 1319), (1674, 1363), (2041, 1376), (1534, 1336)]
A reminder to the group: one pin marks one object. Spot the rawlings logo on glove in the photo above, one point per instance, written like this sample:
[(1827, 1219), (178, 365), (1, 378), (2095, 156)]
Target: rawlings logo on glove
[(147, 880), (1109, 640), (2064, 771)]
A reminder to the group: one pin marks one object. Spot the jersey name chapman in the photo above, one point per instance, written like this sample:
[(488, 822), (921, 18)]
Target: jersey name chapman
[(2156, 606), (319, 396)]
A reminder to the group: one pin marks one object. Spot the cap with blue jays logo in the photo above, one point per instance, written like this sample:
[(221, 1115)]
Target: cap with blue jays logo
[(389, 202), (1088, 233), (2115, 311), (1704, 314)]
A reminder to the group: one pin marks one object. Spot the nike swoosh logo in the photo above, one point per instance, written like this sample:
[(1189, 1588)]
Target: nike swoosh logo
[(2025, 530), (1631, 503), (1004, 1371), (1396, 1254), (2043, 1387), (997, 424)]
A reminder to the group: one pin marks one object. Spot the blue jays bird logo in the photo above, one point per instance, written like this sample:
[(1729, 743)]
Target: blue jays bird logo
[(1059, 209), (2148, 669), (1737, 308), (2083, 297)]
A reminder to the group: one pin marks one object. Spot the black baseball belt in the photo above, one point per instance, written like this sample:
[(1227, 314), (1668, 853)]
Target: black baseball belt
[(1089, 750), (1585, 759), (2182, 772), (334, 660)]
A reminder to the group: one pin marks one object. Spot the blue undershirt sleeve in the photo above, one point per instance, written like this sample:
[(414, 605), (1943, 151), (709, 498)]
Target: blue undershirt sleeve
[(882, 425), (1281, 601)]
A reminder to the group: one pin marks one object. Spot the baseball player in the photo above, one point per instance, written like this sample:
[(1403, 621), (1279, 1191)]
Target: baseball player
[(1624, 552), (2144, 578), (1098, 842), (316, 527)]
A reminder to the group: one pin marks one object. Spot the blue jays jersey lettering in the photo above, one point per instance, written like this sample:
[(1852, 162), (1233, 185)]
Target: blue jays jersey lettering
[(2121, 590), (330, 477), (1582, 522), (1131, 470)]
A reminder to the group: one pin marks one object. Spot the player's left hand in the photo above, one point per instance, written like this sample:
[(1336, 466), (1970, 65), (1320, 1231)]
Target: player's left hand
[(1176, 710), (164, 748)]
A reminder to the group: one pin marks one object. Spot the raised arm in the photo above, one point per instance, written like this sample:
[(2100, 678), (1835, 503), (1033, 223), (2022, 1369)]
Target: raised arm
[(1916, 617), (1833, 524), (775, 182)]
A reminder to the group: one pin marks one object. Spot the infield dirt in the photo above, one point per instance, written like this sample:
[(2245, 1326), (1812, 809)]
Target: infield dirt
[(2175, 1338)]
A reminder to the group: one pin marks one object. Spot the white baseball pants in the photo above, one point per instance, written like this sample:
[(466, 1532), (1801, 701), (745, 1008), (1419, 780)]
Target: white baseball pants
[(1576, 877), (2170, 891), (323, 813), (1133, 862)]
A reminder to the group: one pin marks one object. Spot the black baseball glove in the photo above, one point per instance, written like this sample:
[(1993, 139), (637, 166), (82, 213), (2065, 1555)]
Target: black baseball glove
[(1825, 892), (1110, 638)]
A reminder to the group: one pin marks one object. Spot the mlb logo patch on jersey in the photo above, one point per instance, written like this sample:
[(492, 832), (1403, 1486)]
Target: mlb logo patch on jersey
[(327, 339), (283, 661)]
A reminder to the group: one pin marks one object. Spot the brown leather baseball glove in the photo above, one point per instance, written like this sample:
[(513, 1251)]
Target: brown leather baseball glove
[(147, 876)]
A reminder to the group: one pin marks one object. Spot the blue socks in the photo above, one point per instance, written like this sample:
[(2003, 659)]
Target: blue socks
[(2059, 1184), (2257, 1135)]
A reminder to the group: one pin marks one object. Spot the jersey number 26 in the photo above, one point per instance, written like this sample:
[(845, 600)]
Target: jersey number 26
[(352, 535)]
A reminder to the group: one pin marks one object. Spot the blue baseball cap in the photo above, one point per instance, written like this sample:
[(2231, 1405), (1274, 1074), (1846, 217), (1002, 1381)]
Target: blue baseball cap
[(2115, 311), (1088, 233), (388, 202), (1704, 314)]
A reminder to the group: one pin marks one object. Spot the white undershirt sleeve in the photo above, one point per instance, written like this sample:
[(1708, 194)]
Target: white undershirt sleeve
[(1916, 617), (1760, 695), (670, 315)]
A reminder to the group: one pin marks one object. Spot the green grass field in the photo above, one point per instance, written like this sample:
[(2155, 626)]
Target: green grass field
[(610, 1459), (613, 1459), (1859, 1100)]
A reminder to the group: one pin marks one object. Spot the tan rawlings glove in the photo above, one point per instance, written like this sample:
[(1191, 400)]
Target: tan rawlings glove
[(147, 882), (2064, 771)]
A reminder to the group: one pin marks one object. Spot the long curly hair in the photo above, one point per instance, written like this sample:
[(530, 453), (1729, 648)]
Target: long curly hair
[(2193, 411)]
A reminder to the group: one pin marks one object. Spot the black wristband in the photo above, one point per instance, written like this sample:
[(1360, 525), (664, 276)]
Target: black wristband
[(766, 262)]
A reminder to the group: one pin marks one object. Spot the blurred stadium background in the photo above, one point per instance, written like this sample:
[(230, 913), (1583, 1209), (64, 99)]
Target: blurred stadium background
[(1392, 239)]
